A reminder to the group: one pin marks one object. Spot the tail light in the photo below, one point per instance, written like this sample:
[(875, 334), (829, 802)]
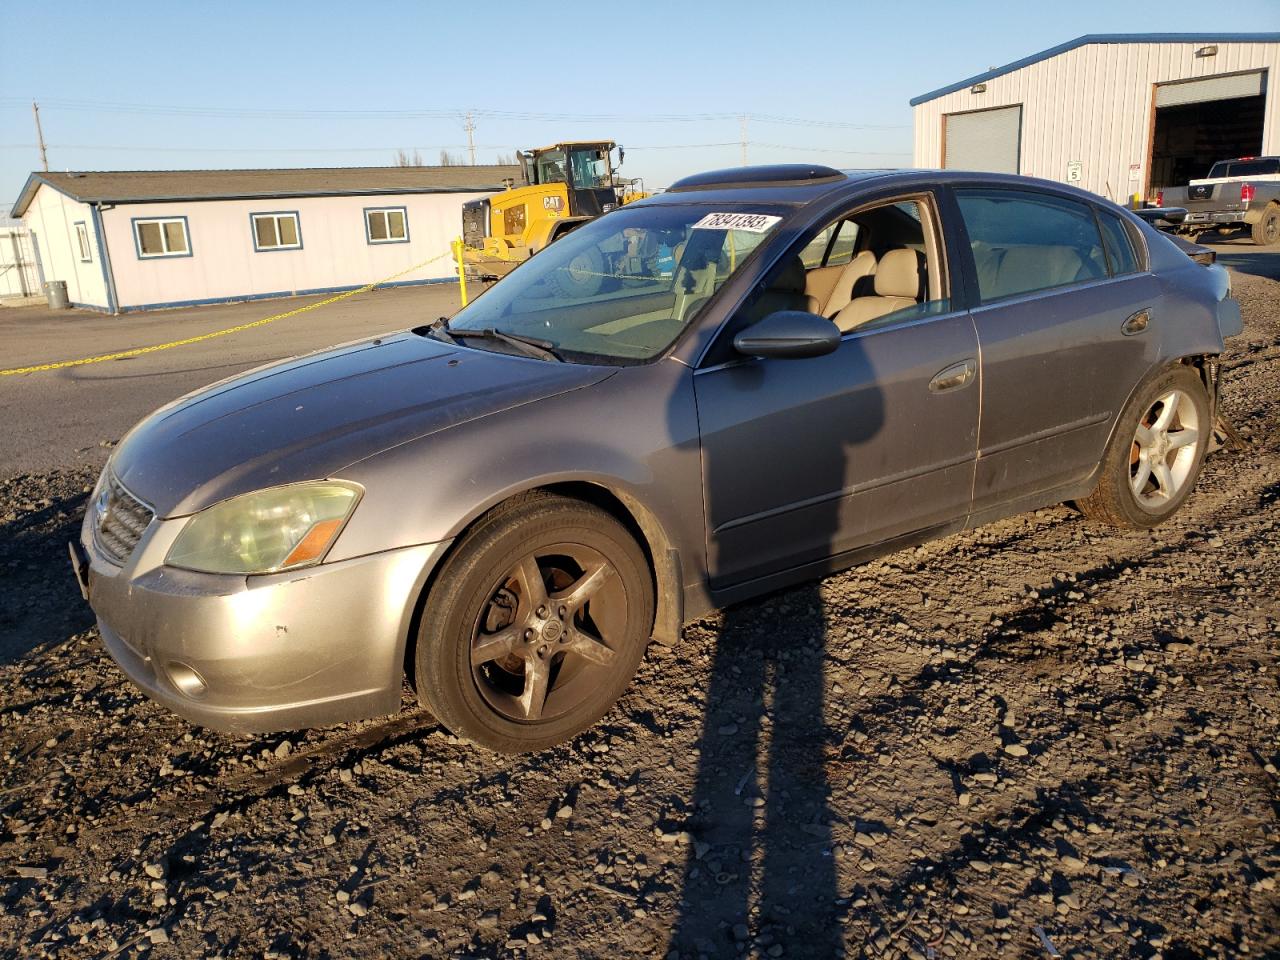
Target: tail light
[(1159, 198), (1246, 192)]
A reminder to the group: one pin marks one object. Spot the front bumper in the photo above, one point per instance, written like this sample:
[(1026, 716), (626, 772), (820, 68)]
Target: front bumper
[(259, 654)]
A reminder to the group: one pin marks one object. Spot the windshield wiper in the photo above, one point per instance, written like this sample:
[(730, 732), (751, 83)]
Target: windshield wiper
[(438, 329), (529, 346)]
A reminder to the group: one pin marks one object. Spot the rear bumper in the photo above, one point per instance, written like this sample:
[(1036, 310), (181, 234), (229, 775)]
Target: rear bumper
[(261, 654), (1220, 218)]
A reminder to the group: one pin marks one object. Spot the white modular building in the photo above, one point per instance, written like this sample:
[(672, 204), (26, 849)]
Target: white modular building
[(139, 240), (1122, 115)]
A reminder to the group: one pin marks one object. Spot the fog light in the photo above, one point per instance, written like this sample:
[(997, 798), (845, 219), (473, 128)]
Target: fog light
[(186, 679)]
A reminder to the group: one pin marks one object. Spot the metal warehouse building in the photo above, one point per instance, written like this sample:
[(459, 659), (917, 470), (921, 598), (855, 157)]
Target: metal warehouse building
[(138, 240), (1118, 114)]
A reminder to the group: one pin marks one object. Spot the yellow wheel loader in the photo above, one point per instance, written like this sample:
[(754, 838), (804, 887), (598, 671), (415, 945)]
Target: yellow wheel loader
[(565, 185)]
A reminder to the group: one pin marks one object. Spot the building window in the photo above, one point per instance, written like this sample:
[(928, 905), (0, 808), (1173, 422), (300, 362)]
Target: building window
[(166, 237), (276, 231), (82, 242), (386, 225)]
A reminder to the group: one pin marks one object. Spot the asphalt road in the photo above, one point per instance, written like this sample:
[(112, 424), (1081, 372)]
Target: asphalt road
[(70, 417)]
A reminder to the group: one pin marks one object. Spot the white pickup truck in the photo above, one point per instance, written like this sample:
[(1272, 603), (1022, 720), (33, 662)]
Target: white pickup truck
[(1238, 194)]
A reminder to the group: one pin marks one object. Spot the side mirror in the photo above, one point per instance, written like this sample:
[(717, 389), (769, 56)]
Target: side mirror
[(788, 334)]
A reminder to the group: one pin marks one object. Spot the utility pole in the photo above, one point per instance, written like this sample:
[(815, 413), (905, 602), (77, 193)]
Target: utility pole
[(470, 127), (742, 136), (44, 156)]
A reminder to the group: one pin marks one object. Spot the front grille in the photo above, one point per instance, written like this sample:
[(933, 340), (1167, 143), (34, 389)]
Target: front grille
[(120, 520)]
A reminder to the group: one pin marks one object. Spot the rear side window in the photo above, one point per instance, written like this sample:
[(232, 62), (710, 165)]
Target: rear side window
[(1122, 256), (1024, 241)]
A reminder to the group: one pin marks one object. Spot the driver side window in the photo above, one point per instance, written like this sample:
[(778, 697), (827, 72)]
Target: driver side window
[(883, 264)]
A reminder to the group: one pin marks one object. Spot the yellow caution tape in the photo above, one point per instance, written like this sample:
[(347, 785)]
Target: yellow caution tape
[(139, 351)]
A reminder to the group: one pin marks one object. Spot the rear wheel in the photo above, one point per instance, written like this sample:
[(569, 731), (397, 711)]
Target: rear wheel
[(1266, 231), (1156, 454), (535, 625)]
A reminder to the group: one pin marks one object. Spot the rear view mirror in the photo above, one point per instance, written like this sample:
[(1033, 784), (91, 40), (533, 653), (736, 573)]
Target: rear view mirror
[(788, 334)]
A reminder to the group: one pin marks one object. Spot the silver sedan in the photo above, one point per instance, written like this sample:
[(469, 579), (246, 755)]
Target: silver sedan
[(759, 376)]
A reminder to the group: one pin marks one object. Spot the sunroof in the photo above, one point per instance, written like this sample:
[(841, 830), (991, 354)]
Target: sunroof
[(773, 174)]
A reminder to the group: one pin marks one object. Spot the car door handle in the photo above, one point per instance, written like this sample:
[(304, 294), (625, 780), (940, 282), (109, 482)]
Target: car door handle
[(955, 376), (1137, 323)]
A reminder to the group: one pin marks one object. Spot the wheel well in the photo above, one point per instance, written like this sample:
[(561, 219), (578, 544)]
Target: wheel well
[(664, 567)]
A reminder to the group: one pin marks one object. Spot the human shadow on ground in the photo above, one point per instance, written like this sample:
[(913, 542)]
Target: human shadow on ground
[(760, 873)]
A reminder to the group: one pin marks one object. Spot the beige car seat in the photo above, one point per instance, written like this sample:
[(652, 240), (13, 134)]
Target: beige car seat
[(898, 280), (1027, 268), (862, 265)]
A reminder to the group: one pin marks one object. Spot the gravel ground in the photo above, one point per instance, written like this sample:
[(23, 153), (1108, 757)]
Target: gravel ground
[(1039, 738)]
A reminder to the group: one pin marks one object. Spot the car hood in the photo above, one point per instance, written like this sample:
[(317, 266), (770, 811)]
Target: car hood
[(306, 418)]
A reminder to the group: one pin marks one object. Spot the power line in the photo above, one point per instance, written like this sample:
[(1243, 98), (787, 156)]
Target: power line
[(146, 149), (449, 146), (862, 153), (141, 148), (243, 113)]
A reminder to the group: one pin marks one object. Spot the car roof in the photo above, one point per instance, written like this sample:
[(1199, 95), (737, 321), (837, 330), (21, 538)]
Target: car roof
[(799, 185)]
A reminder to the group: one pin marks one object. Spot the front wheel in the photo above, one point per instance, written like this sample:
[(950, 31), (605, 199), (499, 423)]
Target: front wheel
[(535, 625), (1155, 456)]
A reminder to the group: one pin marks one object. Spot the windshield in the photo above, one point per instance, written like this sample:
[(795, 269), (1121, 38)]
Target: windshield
[(621, 288), (590, 169)]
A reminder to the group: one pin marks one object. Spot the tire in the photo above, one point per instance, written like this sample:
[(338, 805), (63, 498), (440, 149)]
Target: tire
[(1266, 231), (583, 276), (1140, 443), (516, 668)]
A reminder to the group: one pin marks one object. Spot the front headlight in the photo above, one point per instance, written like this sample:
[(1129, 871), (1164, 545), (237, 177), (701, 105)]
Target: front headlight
[(266, 531)]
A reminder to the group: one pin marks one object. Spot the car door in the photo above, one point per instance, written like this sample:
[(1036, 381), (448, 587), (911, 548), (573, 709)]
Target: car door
[(1063, 335), (807, 459)]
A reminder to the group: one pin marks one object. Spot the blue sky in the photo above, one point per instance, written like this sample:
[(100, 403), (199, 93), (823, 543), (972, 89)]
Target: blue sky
[(234, 84)]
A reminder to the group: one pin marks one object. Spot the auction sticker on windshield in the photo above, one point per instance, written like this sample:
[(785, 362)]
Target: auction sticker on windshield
[(748, 222)]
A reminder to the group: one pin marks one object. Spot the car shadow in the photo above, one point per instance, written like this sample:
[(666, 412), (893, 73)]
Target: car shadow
[(40, 603), (760, 869), (1259, 262)]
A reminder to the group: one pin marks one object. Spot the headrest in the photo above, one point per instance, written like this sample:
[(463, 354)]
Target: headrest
[(791, 279), (898, 274)]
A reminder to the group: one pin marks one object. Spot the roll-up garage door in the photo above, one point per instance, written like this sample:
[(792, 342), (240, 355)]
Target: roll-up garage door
[(983, 140), (1225, 87)]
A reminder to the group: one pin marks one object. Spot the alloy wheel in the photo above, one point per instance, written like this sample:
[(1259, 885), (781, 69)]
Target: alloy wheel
[(549, 633), (1163, 454)]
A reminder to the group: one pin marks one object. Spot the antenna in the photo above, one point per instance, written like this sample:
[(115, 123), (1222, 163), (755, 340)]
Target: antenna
[(44, 156), (470, 127), (742, 137)]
